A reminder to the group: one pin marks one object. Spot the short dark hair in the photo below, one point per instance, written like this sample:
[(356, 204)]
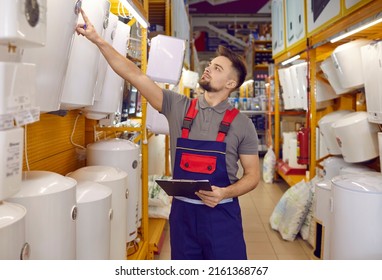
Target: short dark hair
[(237, 63)]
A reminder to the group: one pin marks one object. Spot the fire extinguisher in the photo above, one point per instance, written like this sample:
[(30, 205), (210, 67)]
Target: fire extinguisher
[(303, 146)]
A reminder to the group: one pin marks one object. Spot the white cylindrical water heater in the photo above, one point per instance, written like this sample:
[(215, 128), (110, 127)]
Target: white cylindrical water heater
[(52, 60), (287, 86), (112, 90), (301, 71), (325, 125), (360, 147), (102, 63), (81, 74), (122, 154), (372, 71), (50, 200), (356, 225), (93, 221), (12, 232), (116, 179), (355, 169), (348, 63), (321, 213), (18, 87), (327, 66), (23, 23), (333, 165)]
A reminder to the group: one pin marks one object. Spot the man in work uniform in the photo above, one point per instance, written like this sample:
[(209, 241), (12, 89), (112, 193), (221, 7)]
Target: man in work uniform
[(208, 137)]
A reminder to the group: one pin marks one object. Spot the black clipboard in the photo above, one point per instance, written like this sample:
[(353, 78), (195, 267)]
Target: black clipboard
[(179, 187)]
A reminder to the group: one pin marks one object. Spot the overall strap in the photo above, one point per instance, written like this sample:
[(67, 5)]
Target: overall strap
[(225, 123), (188, 119)]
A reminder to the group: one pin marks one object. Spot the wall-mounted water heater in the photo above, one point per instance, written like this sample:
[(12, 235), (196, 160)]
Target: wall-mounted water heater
[(102, 63), (112, 89), (23, 22), (81, 74), (166, 57), (52, 60), (372, 70)]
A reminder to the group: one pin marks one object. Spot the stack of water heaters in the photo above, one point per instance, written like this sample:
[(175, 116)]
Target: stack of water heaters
[(110, 97), (19, 28), (355, 193), (294, 80)]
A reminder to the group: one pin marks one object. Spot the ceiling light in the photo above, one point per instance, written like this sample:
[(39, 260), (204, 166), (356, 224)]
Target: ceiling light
[(135, 12), (285, 62), (358, 29)]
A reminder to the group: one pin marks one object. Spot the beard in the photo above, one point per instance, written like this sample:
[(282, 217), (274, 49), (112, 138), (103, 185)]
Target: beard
[(206, 85)]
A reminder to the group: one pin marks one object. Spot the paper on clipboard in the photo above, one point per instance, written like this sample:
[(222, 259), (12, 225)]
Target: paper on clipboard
[(179, 187)]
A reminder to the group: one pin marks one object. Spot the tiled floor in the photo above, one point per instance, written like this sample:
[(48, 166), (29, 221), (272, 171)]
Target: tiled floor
[(263, 243)]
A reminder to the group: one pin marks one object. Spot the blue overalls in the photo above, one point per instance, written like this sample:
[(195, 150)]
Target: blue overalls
[(199, 231)]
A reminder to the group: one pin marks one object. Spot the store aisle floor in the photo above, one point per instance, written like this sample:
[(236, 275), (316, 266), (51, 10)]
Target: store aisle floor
[(263, 243)]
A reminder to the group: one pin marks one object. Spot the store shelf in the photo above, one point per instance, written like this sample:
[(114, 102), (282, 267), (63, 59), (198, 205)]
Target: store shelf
[(156, 227), (141, 253), (262, 66), (291, 179)]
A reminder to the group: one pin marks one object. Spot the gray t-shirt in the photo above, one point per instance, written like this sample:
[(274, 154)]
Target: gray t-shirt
[(241, 137)]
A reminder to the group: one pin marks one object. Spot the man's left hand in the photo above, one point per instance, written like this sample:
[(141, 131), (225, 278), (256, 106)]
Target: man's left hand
[(211, 198)]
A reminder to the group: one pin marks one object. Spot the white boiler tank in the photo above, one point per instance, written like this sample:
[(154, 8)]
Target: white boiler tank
[(17, 87), (166, 57), (112, 90), (356, 224), (333, 165), (116, 179), (321, 213), (372, 70), (93, 221), (12, 232), (348, 63), (325, 125), (23, 22), (327, 66), (81, 73), (52, 60), (357, 137), (102, 63), (356, 169), (50, 200), (122, 154)]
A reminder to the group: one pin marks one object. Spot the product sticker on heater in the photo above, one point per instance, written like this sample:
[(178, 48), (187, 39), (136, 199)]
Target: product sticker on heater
[(27, 116), (13, 158), (6, 121)]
